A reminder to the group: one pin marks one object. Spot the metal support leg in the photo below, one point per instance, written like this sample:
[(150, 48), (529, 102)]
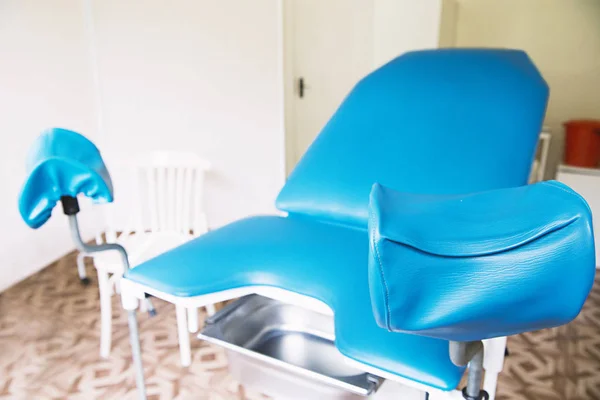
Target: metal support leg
[(71, 208), (471, 353), (475, 373), (136, 353), (86, 248)]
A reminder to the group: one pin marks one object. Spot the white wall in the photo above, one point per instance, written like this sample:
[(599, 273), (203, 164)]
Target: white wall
[(448, 22), (356, 36), (200, 76), (562, 38), (194, 75), (44, 81), (404, 25)]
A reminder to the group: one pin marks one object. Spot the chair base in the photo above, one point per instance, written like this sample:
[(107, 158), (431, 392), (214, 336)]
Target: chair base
[(85, 281), (483, 395)]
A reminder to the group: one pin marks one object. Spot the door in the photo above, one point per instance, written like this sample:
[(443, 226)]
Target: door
[(328, 48)]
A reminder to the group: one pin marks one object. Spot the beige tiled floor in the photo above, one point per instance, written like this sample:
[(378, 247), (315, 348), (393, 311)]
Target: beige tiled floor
[(49, 326), (49, 336)]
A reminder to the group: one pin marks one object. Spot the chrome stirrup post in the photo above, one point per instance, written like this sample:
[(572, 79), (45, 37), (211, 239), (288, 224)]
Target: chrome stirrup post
[(71, 208), (471, 354)]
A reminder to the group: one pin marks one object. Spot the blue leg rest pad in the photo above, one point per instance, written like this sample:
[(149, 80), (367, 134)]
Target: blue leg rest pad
[(61, 163), (477, 266)]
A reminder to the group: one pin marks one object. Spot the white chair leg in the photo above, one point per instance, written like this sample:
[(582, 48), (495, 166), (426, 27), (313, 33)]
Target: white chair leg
[(184, 337), (143, 306), (81, 267), (210, 310), (193, 319), (493, 363), (490, 383), (105, 313), (440, 395), (116, 282)]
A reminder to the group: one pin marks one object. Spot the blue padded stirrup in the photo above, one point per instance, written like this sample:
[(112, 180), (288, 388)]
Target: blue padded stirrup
[(61, 163), (478, 266)]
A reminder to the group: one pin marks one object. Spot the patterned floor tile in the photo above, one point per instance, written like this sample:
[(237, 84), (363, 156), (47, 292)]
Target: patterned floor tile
[(49, 336)]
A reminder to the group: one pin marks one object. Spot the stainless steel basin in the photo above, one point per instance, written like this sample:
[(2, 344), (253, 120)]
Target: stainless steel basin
[(285, 351)]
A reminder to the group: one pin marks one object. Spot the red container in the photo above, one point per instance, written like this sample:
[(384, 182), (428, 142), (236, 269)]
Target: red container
[(582, 145)]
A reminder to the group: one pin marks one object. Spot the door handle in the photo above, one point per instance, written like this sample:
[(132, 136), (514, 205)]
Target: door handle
[(301, 87)]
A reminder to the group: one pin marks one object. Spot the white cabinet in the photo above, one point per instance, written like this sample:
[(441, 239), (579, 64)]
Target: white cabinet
[(586, 182)]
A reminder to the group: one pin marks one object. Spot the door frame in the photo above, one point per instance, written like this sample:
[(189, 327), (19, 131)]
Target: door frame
[(289, 89)]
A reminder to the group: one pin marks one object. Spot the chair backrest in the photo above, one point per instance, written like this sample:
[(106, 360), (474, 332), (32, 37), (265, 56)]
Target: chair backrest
[(167, 190), (434, 121), (170, 189)]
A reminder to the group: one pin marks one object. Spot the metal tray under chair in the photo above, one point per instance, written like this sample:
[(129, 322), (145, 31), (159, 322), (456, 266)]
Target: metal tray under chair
[(285, 351)]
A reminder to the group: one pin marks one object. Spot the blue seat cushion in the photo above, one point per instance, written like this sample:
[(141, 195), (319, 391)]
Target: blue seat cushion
[(321, 260)]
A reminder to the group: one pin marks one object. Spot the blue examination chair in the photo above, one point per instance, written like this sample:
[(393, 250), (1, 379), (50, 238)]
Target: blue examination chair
[(409, 218)]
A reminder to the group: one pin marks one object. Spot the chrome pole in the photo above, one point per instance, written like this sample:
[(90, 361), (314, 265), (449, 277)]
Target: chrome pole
[(134, 336), (471, 354)]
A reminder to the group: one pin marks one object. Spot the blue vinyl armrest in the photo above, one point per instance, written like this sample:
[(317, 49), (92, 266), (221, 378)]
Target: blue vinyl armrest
[(61, 163), (477, 266)]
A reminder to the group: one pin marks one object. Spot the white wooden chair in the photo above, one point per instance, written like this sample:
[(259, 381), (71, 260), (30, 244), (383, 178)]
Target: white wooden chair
[(166, 211)]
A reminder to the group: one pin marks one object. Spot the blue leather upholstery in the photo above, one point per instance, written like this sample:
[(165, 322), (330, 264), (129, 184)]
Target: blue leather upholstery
[(61, 163), (477, 266), (321, 260), (435, 121)]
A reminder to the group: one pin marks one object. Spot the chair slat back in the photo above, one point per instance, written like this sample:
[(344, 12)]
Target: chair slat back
[(170, 192)]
